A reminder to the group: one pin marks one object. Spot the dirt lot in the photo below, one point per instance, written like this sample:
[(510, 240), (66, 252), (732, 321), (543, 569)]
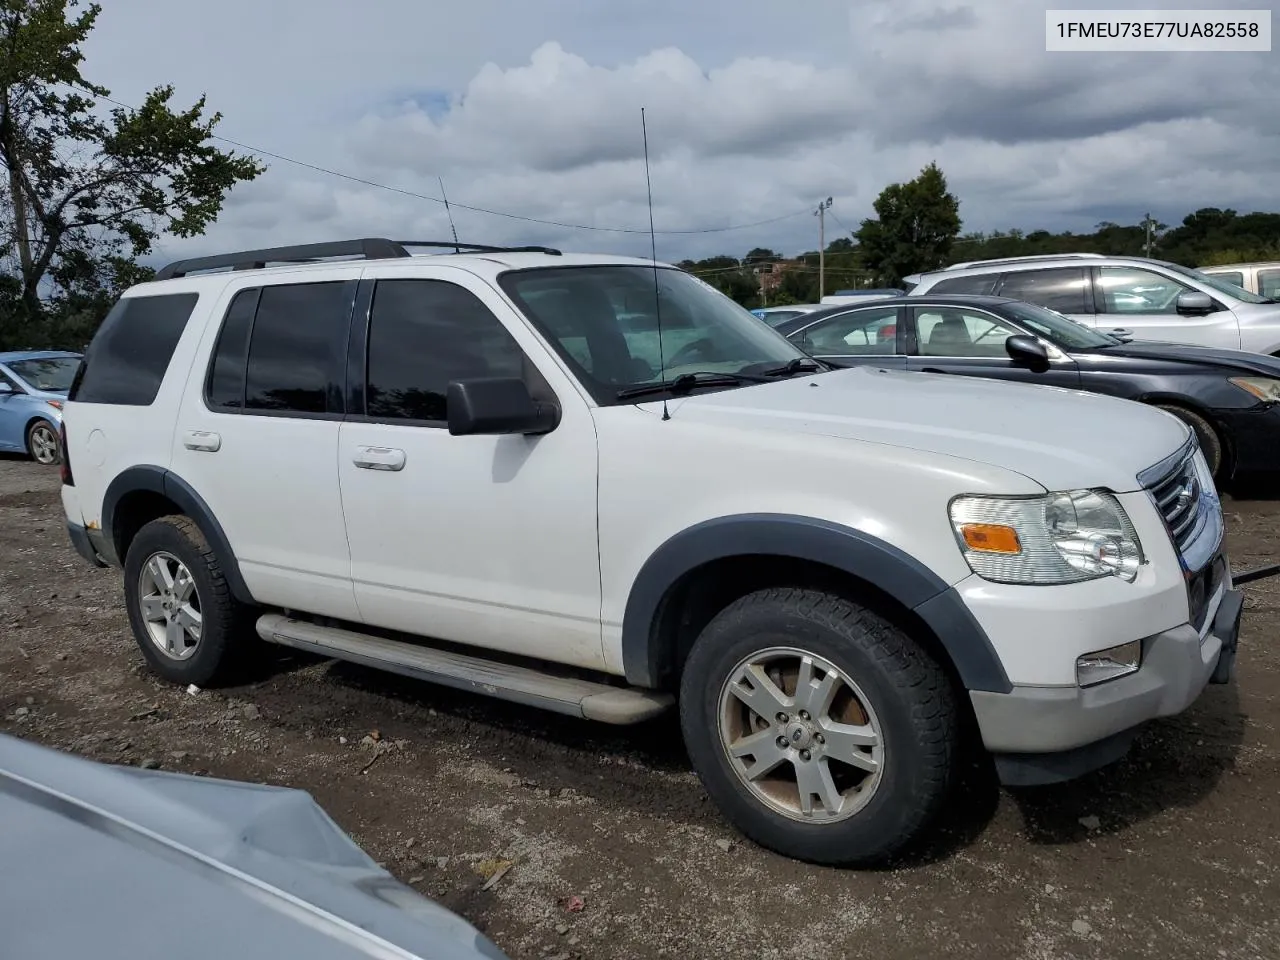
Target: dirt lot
[(1172, 853)]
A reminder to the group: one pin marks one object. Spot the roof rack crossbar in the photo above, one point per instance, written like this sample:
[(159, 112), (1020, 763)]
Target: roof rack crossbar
[(368, 248)]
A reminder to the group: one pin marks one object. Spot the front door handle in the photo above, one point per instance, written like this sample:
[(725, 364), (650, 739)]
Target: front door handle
[(379, 458), (202, 440)]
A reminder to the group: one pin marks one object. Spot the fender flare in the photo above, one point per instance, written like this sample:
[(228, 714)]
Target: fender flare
[(859, 554), (171, 486)]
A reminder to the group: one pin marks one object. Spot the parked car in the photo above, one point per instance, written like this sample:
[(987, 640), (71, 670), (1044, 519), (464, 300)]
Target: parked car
[(460, 468), (1262, 279), (119, 862), (33, 387), (1230, 398), (1137, 297), (775, 315)]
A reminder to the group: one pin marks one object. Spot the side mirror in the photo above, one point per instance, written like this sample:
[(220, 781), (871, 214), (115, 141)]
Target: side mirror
[(496, 405), (1194, 302), (1027, 351)]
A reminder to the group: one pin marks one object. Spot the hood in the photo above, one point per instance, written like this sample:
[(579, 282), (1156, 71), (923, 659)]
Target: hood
[(1061, 439), (1184, 353), (153, 864)]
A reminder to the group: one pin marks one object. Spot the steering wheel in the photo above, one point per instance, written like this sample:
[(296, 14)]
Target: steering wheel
[(690, 351)]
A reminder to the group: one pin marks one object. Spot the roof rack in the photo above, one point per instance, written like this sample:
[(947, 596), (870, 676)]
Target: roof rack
[(368, 248), (1024, 259)]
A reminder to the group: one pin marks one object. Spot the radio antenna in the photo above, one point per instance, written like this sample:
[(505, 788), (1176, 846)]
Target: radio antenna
[(653, 254), (456, 247)]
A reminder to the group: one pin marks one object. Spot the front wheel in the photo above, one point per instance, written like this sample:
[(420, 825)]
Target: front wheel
[(42, 443), (821, 730)]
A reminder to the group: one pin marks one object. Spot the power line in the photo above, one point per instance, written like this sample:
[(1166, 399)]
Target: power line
[(462, 206)]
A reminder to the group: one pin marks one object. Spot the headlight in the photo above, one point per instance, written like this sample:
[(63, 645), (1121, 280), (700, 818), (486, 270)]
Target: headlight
[(1058, 538), (1264, 388)]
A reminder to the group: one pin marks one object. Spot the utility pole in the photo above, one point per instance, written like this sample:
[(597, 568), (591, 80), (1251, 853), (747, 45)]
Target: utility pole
[(821, 214), (1147, 224)]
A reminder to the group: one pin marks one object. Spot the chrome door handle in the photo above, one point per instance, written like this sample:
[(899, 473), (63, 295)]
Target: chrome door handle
[(379, 458), (202, 440)]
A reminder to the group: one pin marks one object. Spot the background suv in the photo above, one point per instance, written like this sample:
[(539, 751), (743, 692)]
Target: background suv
[(1145, 299)]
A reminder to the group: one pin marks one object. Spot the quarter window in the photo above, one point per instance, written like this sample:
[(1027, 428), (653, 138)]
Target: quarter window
[(296, 345), (126, 362), (1269, 284), (226, 373), (1128, 290), (424, 334), (871, 332), (1062, 290), (954, 332)]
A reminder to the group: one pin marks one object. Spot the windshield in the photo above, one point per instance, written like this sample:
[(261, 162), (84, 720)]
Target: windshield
[(50, 374), (603, 323), (1217, 283), (1056, 328)]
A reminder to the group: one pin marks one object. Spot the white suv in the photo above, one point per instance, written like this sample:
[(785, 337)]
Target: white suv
[(468, 468), (1134, 296)]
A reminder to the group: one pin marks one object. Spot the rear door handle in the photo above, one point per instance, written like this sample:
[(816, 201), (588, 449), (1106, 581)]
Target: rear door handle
[(379, 458), (202, 440)]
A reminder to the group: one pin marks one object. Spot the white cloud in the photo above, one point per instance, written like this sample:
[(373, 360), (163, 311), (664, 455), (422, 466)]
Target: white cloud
[(754, 113)]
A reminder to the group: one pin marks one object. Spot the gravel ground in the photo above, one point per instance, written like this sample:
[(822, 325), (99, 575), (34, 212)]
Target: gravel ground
[(1171, 853)]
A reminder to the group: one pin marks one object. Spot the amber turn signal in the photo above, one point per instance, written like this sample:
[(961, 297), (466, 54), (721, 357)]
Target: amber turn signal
[(990, 538)]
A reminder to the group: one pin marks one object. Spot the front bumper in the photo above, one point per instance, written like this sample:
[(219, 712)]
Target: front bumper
[(1048, 734)]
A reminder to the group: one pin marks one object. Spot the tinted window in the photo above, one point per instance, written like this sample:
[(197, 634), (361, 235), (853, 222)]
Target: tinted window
[(49, 374), (126, 362), (1135, 291), (226, 373), (1062, 290), (296, 344), (979, 284), (422, 335), (865, 332), (957, 332), (1269, 283)]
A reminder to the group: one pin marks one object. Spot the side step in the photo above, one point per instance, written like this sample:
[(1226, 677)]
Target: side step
[(561, 694)]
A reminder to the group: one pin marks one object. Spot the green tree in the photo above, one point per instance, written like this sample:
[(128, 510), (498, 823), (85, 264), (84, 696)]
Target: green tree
[(915, 225), (87, 194)]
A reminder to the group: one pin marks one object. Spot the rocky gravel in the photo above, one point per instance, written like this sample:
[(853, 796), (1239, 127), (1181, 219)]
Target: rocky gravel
[(563, 839)]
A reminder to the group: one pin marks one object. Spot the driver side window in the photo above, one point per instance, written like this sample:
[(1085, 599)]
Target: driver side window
[(871, 332), (1134, 291), (956, 332)]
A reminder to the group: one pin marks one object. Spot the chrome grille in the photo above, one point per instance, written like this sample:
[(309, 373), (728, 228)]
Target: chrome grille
[(1187, 508)]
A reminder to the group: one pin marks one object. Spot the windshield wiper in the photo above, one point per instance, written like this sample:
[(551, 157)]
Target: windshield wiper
[(798, 365), (688, 381)]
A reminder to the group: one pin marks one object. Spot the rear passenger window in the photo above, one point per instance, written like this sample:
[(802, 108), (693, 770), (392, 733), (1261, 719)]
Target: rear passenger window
[(425, 333), (226, 373), (126, 362), (979, 284), (1060, 289), (297, 343)]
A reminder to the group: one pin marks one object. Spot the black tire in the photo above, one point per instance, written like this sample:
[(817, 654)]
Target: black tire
[(226, 630), (909, 693), (1206, 435), (42, 434)]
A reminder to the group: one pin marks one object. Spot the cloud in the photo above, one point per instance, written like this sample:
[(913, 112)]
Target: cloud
[(751, 117)]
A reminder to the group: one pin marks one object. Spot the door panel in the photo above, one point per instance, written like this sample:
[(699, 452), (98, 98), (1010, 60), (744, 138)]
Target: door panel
[(1144, 302), (257, 438), (970, 342), (484, 540)]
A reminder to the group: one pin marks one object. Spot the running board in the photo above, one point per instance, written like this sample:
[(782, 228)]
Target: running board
[(561, 694)]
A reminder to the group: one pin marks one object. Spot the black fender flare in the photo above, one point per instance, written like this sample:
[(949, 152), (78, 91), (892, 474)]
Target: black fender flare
[(859, 554), (171, 486)]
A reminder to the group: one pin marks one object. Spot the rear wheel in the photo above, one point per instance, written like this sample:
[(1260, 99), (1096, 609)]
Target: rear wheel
[(822, 731), (185, 620), (1206, 436), (42, 443)]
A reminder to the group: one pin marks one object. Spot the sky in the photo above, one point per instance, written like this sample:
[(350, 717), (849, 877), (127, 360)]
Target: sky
[(755, 112)]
